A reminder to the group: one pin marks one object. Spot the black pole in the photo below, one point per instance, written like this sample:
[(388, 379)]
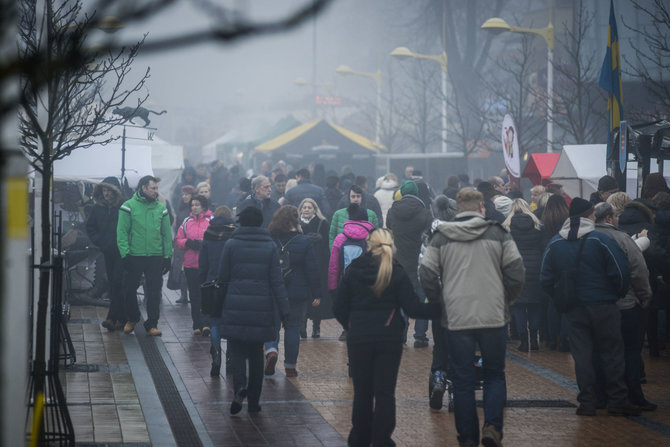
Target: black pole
[(123, 156)]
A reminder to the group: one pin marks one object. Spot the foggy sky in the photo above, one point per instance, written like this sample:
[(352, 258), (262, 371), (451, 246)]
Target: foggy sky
[(201, 86)]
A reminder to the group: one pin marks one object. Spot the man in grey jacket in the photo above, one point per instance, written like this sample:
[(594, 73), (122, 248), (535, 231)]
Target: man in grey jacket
[(474, 267), (638, 297)]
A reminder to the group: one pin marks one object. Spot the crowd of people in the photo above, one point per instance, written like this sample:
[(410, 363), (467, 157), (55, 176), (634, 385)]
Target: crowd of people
[(477, 263)]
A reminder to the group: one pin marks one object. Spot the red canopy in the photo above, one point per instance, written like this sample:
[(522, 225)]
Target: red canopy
[(540, 167)]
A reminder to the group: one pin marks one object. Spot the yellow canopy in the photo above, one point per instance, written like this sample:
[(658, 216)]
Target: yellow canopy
[(317, 131)]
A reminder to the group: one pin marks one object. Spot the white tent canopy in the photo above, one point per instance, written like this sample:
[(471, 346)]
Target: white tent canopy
[(580, 167), (97, 162), (146, 154)]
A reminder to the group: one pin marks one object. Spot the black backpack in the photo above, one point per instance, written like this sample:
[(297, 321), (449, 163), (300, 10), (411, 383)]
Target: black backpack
[(285, 257)]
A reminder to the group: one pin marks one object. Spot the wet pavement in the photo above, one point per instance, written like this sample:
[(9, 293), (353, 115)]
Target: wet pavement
[(134, 390)]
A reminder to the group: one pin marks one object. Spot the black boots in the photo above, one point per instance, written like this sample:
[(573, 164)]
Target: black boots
[(216, 361), (437, 385), (316, 328)]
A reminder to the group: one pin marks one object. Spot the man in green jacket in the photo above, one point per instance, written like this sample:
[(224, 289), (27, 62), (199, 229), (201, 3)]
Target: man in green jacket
[(342, 215), (145, 244)]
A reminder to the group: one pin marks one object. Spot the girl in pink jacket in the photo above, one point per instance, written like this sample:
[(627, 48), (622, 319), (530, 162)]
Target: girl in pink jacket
[(189, 237)]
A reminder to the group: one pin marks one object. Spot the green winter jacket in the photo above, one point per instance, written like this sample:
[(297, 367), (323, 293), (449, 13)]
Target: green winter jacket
[(143, 228), (341, 216)]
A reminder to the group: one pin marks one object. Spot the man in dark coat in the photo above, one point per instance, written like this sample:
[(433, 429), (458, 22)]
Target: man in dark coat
[(261, 189), (218, 182), (101, 229), (607, 186), (408, 218), (602, 277), (305, 189), (256, 302)]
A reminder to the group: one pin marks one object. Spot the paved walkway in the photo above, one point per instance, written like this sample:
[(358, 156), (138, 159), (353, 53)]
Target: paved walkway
[(133, 390)]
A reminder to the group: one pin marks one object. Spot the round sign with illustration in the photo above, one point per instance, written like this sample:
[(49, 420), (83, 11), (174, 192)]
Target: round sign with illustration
[(510, 145)]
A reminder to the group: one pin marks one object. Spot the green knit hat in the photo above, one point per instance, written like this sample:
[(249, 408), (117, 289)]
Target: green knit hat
[(409, 187)]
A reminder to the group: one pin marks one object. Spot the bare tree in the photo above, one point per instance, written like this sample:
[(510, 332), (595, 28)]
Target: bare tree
[(514, 90), (467, 49), (579, 104), (651, 64), (419, 108), (225, 26), (64, 109)]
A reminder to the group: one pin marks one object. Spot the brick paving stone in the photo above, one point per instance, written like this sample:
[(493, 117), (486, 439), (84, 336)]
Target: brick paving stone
[(315, 407)]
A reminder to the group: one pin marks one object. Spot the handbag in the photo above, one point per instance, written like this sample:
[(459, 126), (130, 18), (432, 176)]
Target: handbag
[(564, 295), (212, 295), (174, 276)]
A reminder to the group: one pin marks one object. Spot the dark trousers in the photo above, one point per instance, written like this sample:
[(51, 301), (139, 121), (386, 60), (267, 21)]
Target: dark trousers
[(492, 345), (526, 316), (240, 352), (374, 369), (152, 268), (557, 324), (632, 347), (440, 348), (193, 281), (597, 328), (114, 270)]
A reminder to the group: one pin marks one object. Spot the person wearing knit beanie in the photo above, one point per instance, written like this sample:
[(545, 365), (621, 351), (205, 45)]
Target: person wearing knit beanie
[(250, 217), (580, 208), (409, 187), (607, 186), (357, 212)]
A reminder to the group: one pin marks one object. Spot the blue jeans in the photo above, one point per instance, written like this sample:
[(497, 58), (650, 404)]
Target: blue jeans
[(291, 334), (492, 345), (215, 334)]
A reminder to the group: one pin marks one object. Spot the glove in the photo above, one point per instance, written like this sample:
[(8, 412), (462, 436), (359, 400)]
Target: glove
[(167, 265), (193, 244)]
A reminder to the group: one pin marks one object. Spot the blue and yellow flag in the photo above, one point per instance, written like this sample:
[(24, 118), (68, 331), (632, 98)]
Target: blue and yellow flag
[(610, 79)]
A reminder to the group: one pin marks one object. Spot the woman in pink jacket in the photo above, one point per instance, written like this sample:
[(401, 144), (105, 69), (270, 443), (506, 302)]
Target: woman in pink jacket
[(189, 237)]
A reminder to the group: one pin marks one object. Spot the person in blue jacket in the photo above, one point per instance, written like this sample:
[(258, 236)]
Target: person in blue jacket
[(255, 303), (594, 324), (302, 284)]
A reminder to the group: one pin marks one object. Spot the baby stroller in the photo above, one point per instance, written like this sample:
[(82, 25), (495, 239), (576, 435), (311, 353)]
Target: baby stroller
[(479, 382)]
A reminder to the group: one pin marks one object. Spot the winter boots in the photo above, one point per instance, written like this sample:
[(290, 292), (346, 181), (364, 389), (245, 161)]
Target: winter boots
[(216, 361), (437, 385)]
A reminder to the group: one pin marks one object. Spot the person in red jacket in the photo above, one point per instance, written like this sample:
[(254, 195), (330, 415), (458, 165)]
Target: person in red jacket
[(189, 238)]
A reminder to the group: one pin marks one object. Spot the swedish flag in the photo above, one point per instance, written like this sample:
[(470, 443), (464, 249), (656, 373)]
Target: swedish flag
[(610, 79)]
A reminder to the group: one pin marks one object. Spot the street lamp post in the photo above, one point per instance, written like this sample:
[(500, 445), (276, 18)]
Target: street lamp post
[(377, 76), (497, 25), (404, 53)]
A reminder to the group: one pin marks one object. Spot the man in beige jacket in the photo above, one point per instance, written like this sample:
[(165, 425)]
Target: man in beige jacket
[(474, 267)]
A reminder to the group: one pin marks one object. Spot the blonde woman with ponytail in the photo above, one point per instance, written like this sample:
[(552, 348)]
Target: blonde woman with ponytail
[(369, 301)]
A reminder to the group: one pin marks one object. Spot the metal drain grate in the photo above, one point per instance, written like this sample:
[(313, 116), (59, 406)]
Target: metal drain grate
[(182, 426)]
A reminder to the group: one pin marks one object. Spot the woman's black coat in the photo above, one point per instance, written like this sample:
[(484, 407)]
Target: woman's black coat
[(370, 319), (256, 300), (530, 242)]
